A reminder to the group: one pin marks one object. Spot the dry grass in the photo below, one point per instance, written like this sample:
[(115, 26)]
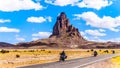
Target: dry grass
[(116, 60), (39, 56)]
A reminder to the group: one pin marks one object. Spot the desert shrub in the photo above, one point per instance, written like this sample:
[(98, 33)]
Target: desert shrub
[(25, 51), (17, 56), (106, 51), (4, 51), (43, 50), (15, 51), (49, 51), (31, 51), (88, 51), (92, 50)]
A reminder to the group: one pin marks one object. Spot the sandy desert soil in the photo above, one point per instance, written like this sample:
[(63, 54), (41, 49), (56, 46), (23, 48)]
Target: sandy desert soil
[(38, 56), (105, 64)]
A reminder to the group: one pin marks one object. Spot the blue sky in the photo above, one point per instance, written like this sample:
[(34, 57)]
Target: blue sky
[(27, 20)]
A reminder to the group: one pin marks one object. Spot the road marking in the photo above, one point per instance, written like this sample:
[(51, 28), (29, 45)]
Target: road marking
[(93, 62)]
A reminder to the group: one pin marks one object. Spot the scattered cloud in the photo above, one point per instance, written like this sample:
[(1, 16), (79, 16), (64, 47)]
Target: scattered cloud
[(4, 20), (6, 29), (96, 33), (93, 35), (103, 40), (95, 4), (93, 20), (20, 39), (36, 19), (114, 40), (61, 2), (49, 18), (35, 39), (42, 34), (97, 39), (39, 19), (17, 5)]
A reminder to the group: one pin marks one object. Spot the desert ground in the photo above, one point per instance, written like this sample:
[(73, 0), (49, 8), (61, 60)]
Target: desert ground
[(110, 63), (12, 58)]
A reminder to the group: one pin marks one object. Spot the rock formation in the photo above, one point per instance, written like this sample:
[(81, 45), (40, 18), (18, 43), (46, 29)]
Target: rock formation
[(65, 35), (63, 26)]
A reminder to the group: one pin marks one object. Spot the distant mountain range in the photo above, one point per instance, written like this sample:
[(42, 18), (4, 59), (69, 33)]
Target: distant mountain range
[(3, 44)]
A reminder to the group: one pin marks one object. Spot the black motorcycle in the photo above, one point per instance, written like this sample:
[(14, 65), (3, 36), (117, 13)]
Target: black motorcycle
[(62, 56), (95, 53)]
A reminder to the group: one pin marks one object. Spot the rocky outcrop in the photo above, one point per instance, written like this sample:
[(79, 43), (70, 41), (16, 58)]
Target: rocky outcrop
[(65, 35), (63, 26)]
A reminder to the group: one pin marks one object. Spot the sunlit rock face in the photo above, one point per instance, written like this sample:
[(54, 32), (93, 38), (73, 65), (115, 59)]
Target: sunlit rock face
[(63, 27)]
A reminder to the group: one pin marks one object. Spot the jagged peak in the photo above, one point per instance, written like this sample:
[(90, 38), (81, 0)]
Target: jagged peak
[(63, 27)]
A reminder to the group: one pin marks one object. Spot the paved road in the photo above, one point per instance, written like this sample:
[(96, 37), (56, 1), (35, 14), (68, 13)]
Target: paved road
[(76, 63)]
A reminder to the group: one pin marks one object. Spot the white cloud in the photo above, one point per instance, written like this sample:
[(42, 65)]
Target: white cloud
[(82, 33), (49, 18), (106, 22), (20, 39), (35, 39), (96, 4), (101, 30), (39, 19), (42, 34), (36, 19), (4, 20), (6, 29), (61, 2), (95, 33), (114, 40), (16, 5), (103, 40)]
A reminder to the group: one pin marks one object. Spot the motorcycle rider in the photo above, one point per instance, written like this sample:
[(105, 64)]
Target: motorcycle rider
[(63, 56), (95, 53)]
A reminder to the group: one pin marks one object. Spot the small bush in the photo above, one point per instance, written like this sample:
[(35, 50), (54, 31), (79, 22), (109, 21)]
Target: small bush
[(43, 50), (15, 51), (49, 51), (31, 51), (88, 51), (17, 56), (92, 50), (25, 51), (4, 51)]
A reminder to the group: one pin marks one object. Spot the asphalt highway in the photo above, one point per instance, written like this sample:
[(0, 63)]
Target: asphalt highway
[(75, 63)]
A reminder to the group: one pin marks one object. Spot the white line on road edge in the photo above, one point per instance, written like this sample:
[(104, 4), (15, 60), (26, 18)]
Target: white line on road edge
[(94, 61)]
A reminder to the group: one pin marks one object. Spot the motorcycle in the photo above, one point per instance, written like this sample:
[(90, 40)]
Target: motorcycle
[(63, 57), (95, 53)]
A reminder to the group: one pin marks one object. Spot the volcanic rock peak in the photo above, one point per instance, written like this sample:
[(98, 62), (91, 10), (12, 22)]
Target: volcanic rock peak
[(62, 26)]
